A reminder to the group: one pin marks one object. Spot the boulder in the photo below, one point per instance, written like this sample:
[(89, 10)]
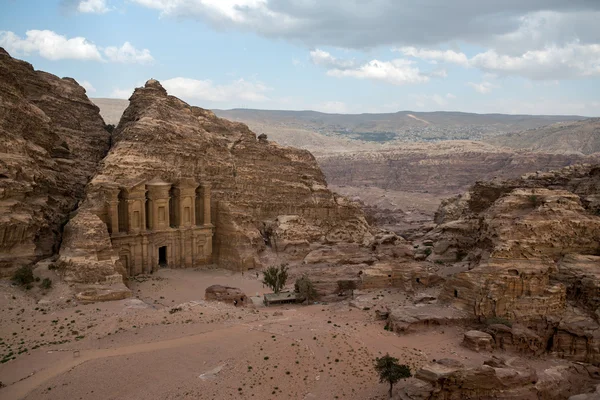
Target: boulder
[(478, 341), (227, 294), (409, 319)]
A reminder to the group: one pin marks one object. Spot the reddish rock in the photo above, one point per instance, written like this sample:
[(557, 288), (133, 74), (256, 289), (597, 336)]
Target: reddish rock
[(227, 294)]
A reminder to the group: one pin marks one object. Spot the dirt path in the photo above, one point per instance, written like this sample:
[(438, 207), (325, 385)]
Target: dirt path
[(22, 388)]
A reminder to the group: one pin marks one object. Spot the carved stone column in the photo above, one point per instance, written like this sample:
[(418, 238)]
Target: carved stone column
[(113, 210), (158, 209), (206, 201)]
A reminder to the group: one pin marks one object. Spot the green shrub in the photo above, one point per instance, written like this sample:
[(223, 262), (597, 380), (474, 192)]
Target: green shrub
[(305, 288), (428, 251), (276, 277), (46, 283), (391, 371), (23, 276)]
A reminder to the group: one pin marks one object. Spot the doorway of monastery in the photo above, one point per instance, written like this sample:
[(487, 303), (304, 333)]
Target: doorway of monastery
[(162, 256)]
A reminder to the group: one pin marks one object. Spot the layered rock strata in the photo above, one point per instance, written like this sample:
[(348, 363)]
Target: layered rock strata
[(532, 247), (498, 379), (181, 187), (52, 140)]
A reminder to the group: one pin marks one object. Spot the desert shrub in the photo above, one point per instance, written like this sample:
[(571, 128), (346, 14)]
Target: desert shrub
[(460, 255), (498, 321), (535, 201), (275, 277), (391, 371), (428, 251), (23, 276), (305, 288), (346, 285), (46, 283)]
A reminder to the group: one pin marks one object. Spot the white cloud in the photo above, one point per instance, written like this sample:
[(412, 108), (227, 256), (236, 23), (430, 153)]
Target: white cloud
[(367, 24), (88, 87), (570, 61), (333, 107), (435, 100), (396, 72), (128, 54), (483, 87), (50, 45), (205, 90), (448, 56), (121, 93), (93, 6), (324, 59), (237, 11)]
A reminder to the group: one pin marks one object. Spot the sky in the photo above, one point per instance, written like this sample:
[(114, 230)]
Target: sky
[(337, 56)]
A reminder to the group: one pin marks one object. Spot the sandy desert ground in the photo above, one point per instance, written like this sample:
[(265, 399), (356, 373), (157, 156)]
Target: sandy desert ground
[(140, 349)]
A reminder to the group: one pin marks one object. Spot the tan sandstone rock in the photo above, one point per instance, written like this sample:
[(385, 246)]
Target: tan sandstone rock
[(478, 341), (52, 140), (227, 294)]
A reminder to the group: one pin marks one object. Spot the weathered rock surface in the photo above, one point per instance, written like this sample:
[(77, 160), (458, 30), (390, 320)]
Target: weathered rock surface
[(227, 294), (52, 141), (580, 137), (444, 167), (263, 196), (478, 341), (410, 319), (532, 245), (498, 379), (595, 395)]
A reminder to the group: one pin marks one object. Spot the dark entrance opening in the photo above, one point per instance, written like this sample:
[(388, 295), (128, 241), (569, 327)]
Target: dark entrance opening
[(162, 256), (455, 293)]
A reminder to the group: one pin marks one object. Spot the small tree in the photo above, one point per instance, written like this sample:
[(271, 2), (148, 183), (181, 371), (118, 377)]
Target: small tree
[(275, 277), (391, 371), (345, 285), (23, 276), (305, 288)]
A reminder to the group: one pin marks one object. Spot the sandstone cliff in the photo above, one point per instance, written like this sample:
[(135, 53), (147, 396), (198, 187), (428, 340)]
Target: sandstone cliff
[(263, 196), (52, 138), (445, 167), (532, 246)]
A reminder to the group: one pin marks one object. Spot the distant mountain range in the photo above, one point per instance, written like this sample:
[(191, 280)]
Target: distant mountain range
[(563, 137), (377, 128)]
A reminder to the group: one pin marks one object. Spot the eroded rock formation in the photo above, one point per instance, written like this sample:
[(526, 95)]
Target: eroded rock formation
[(52, 140), (194, 173), (532, 246), (499, 379)]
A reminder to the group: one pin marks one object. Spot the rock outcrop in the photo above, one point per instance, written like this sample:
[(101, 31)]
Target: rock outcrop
[(498, 379), (445, 168), (478, 341), (52, 141), (532, 247), (262, 198), (227, 294)]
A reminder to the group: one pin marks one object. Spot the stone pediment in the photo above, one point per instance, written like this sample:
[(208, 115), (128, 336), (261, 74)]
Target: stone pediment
[(157, 182)]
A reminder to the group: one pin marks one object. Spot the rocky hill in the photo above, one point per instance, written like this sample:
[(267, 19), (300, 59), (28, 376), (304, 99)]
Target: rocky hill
[(441, 168), (390, 127), (258, 188), (317, 131), (52, 140), (532, 246), (575, 137)]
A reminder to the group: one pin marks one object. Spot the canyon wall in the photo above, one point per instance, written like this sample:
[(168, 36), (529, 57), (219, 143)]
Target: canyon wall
[(253, 183), (52, 140)]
